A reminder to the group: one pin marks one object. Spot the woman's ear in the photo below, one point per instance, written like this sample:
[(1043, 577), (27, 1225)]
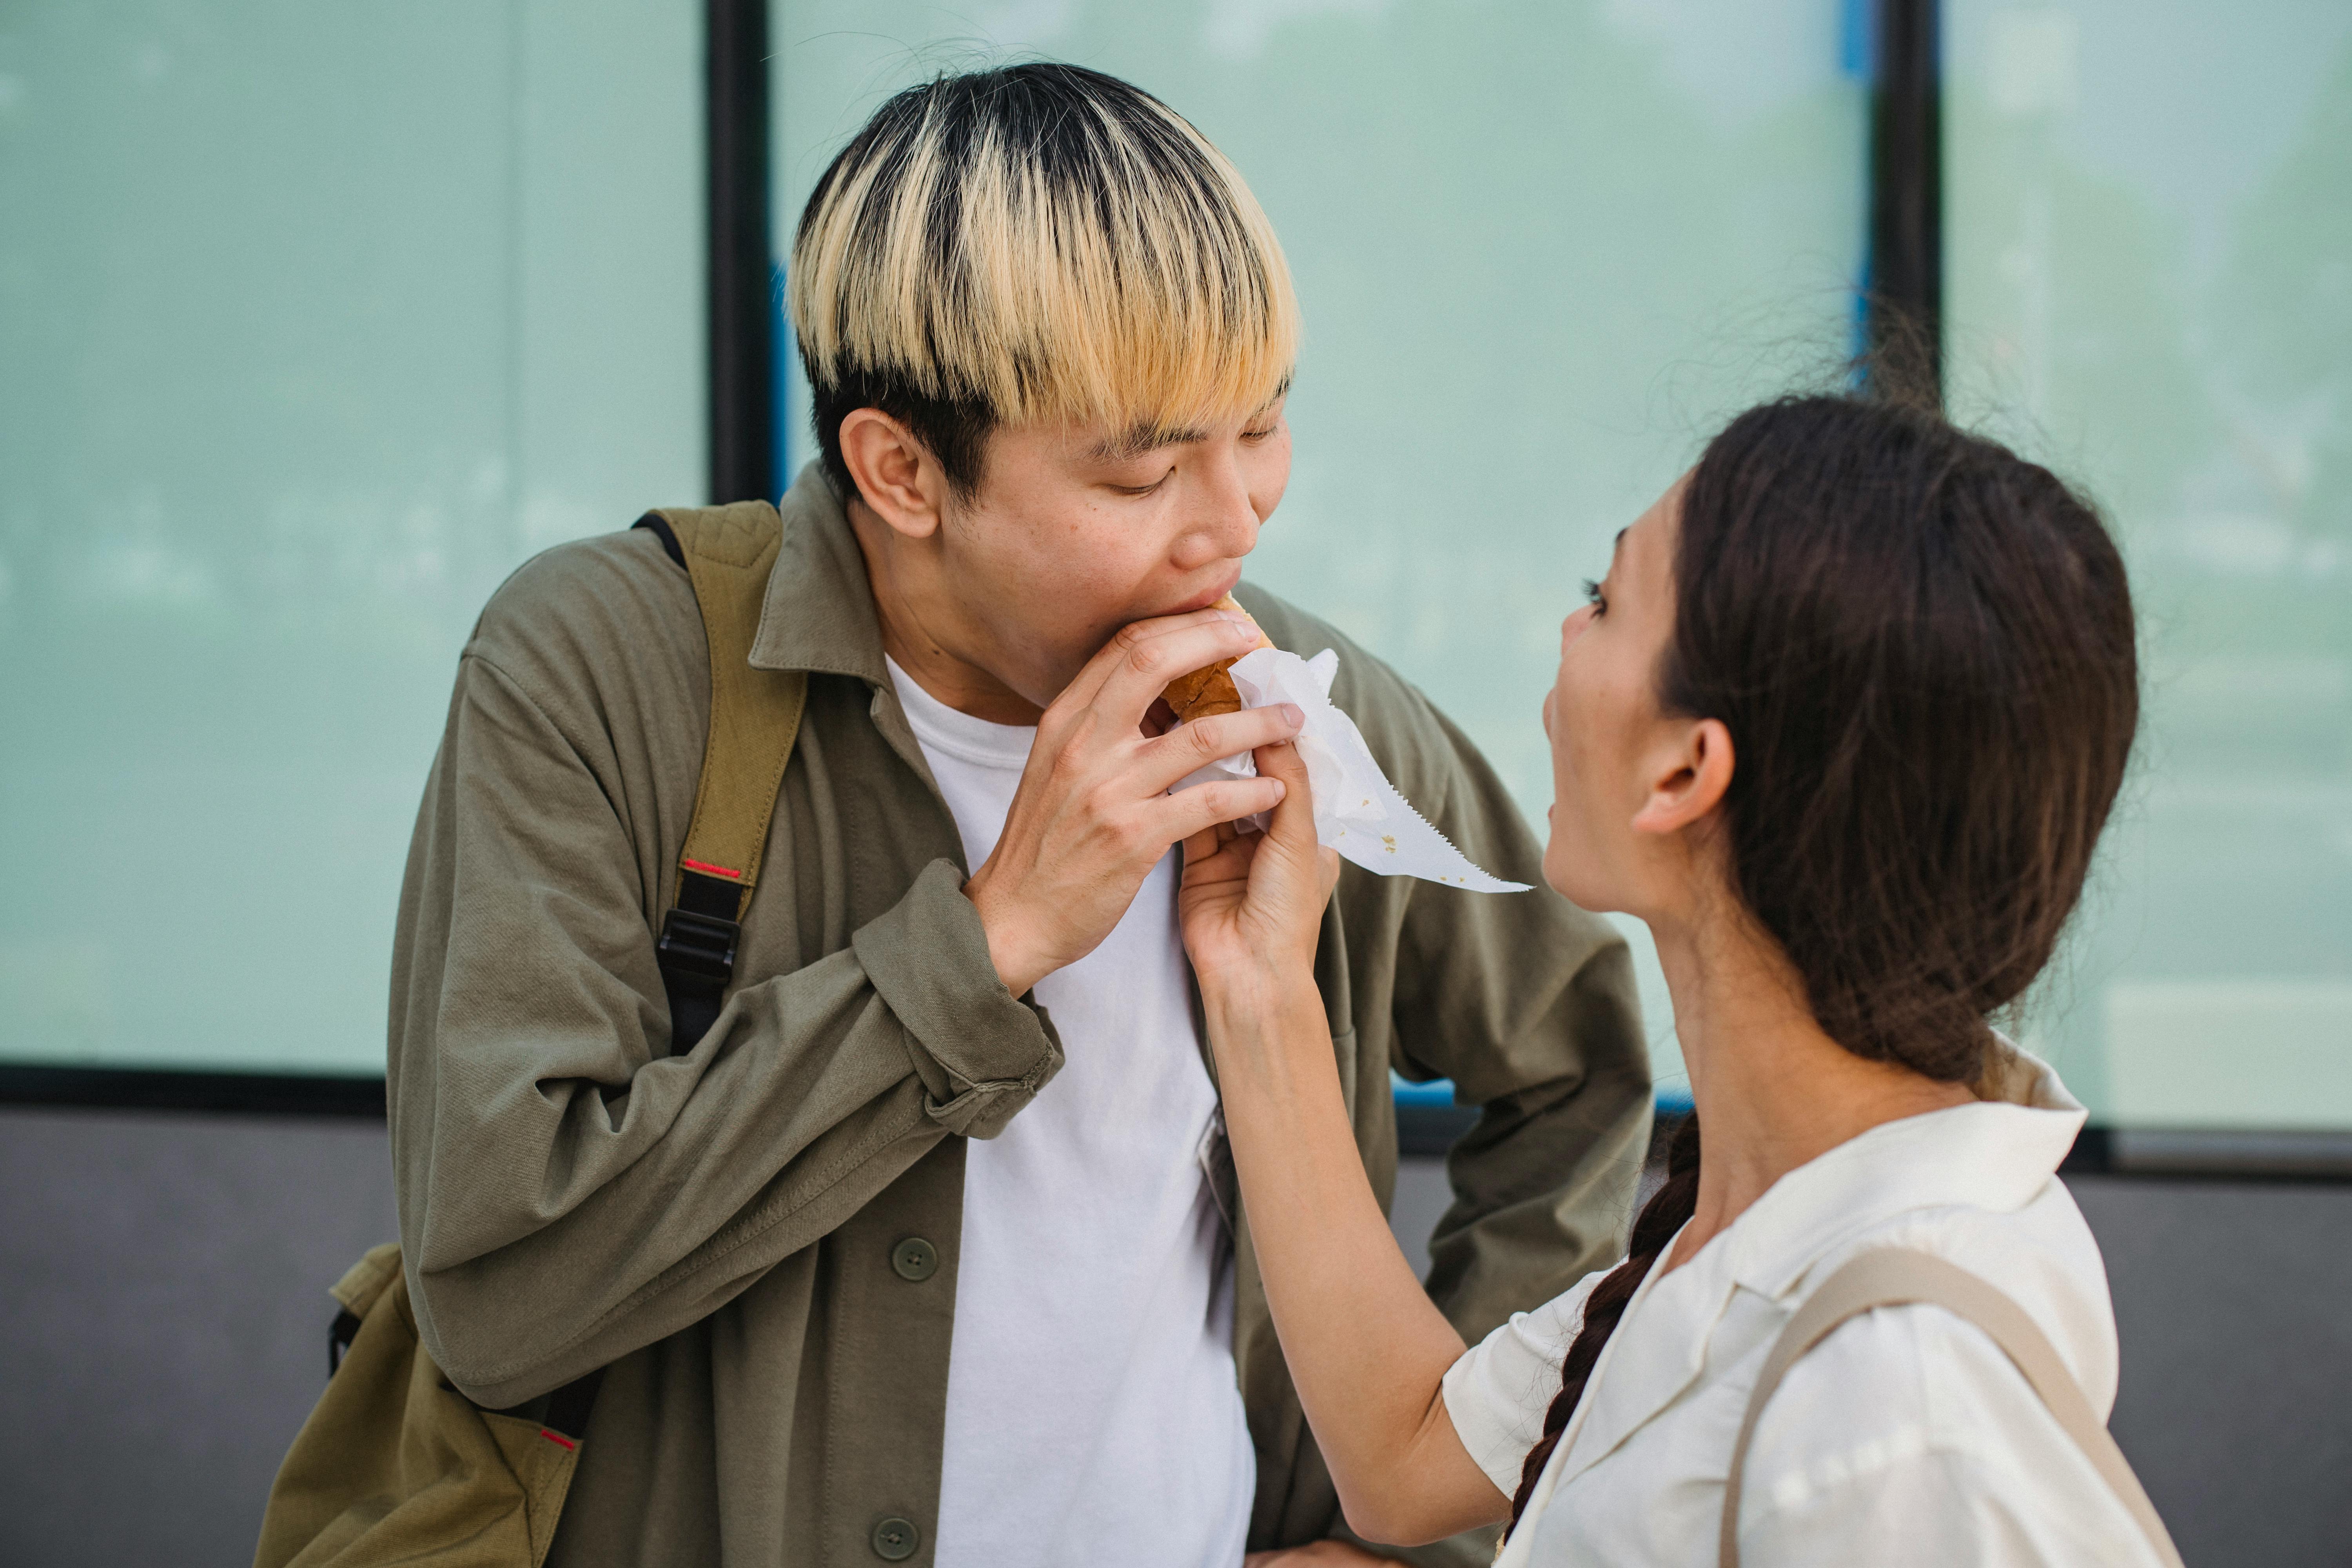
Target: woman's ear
[(896, 476), (1689, 775)]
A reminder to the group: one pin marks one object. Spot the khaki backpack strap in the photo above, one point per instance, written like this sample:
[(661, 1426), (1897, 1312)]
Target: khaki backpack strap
[(1896, 1277), (755, 717)]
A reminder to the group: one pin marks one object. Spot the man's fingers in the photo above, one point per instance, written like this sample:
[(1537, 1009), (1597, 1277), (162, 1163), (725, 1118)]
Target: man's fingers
[(1089, 683), (1203, 741), (1150, 658), (1228, 800)]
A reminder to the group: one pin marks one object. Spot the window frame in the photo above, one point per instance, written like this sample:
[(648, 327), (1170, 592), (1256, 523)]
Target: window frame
[(1901, 296)]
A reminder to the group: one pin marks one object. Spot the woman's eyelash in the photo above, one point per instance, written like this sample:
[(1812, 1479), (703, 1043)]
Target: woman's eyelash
[(1595, 597)]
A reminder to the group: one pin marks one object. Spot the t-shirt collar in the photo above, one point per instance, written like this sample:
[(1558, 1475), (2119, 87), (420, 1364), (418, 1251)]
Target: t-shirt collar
[(1003, 747)]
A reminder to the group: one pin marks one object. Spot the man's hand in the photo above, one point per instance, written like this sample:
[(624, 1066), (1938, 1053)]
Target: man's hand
[(1093, 814), (1319, 1554)]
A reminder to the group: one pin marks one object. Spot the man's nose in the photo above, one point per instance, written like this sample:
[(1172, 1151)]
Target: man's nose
[(1228, 524)]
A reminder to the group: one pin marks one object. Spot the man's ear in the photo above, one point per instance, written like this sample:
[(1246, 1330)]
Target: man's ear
[(1689, 775), (896, 475)]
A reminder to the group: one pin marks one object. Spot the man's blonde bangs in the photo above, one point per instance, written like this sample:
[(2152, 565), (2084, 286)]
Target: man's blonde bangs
[(1106, 268)]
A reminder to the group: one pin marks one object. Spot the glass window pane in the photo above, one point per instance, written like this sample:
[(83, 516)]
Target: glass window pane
[(1542, 246), (318, 319), (2149, 265)]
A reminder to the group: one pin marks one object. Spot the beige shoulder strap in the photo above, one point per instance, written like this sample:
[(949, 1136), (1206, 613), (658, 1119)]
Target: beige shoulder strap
[(755, 714), (1896, 1277)]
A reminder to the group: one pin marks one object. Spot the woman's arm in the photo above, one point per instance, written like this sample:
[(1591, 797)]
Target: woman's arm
[(1366, 1347)]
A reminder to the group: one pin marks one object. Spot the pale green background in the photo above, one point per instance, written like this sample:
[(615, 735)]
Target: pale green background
[(315, 320), (1542, 250), (2150, 275)]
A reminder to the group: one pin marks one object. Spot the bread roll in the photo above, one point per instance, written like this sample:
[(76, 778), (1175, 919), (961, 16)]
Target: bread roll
[(1209, 690)]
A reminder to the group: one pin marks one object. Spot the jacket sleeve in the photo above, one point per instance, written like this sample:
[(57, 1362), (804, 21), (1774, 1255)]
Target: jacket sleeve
[(567, 1194), (1528, 1005)]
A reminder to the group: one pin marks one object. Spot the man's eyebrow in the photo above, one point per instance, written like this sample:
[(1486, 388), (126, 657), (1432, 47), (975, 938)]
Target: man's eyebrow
[(1144, 438)]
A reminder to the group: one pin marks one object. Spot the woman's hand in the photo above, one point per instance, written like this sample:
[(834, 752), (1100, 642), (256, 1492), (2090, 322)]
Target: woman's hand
[(1366, 1348), (1325, 1553), (1252, 903)]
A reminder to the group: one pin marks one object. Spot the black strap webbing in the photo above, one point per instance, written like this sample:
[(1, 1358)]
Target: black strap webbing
[(696, 954)]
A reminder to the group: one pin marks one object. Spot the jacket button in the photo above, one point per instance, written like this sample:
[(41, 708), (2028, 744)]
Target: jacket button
[(917, 1260), (895, 1540)]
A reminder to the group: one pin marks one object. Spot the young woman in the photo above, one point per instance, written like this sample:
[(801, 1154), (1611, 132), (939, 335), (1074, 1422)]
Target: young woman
[(1843, 724)]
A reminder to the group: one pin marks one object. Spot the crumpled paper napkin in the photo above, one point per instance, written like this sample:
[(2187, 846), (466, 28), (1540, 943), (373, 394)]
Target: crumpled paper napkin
[(1357, 811)]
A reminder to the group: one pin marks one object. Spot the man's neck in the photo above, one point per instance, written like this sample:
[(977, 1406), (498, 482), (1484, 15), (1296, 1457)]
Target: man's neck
[(919, 623)]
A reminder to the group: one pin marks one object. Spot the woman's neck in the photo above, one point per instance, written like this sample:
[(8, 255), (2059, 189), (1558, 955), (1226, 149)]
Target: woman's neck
[(1772, 1090)]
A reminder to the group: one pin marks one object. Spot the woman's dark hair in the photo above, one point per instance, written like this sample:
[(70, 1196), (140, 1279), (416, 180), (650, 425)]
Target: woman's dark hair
[(1923, 647)]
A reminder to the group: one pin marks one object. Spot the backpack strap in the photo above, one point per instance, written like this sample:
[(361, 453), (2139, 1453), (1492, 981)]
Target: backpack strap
[(755, 717), (1896, 1276)]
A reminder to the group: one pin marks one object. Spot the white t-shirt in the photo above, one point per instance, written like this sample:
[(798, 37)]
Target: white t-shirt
[(1093, 1414), (1904, 1437)]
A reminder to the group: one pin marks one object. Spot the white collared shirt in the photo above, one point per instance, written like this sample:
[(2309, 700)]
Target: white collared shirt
[(1905, 1437)]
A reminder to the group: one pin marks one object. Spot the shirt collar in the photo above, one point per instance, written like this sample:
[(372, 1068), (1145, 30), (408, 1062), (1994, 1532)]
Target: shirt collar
[(819, 611), (1997, 1154)]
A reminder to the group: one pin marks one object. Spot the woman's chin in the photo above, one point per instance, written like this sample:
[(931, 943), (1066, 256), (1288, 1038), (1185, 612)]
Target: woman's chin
[(1570, 875)]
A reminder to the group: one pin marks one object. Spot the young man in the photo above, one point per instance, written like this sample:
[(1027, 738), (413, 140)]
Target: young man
[(928, 1250)]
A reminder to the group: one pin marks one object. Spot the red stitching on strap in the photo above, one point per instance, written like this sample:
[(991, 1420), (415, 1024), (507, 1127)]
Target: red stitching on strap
[(553, 1436), (709, 869)]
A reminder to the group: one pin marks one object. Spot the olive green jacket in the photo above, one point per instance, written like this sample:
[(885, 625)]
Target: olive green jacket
[(720, 1227)]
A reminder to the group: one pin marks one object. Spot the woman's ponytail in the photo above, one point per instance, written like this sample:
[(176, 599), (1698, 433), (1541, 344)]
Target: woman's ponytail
[(1668, 1210)]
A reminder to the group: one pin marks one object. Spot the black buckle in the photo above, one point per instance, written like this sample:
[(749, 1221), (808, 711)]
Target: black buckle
[(697, 952), (340, 1335)]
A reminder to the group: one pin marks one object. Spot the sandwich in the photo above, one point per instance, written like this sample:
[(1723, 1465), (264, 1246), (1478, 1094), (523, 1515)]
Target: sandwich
[(1209, 690)]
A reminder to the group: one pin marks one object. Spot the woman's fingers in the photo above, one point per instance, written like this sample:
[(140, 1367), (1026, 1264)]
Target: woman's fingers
[(1219, 858), (1294, 820)]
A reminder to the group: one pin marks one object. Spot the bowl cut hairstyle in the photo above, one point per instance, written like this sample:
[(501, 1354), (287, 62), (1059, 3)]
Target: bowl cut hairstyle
[(1036, 243)]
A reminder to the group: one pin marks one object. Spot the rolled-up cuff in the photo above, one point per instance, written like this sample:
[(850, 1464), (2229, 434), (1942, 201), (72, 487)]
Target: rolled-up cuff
[(981, 1052)]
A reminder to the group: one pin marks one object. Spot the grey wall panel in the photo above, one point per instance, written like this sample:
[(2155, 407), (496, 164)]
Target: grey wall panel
[(2235, 1302), (162, 1321)]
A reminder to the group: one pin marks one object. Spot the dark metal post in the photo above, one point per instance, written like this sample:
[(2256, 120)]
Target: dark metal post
[(742, 307), (1905, 309)]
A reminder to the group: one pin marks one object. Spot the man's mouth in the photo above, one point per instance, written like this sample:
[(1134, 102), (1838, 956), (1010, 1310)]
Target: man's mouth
[(1207, 596)]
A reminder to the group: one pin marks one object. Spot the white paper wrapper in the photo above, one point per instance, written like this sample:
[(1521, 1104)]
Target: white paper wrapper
[(1357, 811)]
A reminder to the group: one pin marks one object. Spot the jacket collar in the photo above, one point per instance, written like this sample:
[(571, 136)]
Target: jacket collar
[(1997, 1154), (819, 612)]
